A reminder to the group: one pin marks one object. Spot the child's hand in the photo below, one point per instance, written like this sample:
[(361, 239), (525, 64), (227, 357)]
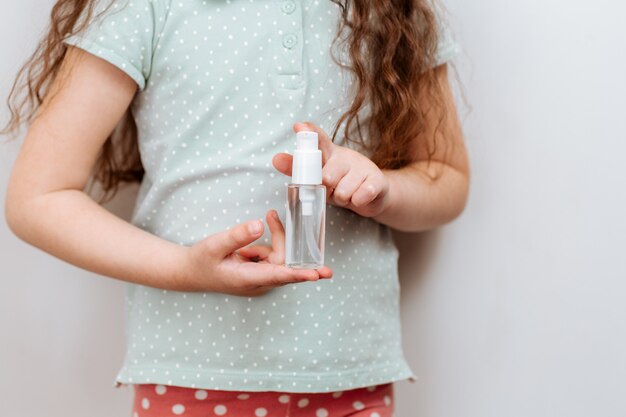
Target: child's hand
[(352, 180), (274, 254), (221, 263)]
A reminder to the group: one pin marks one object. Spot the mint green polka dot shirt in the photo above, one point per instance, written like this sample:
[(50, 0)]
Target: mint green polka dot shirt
[(220, 85)]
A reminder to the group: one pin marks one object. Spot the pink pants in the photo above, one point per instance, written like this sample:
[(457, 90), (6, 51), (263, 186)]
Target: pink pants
[(168, 401)]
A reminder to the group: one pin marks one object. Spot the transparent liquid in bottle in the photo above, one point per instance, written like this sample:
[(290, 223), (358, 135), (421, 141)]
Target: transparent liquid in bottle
[(305, 226)]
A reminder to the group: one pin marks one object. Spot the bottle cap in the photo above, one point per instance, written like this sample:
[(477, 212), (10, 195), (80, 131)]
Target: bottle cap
[(307, 159)]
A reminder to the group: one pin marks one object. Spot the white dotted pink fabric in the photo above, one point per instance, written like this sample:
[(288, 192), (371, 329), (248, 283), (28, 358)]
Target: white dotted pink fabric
[(155, 400)]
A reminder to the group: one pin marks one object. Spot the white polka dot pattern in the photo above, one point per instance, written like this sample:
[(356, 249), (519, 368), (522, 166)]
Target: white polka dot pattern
[(124, 38), (358, 405), (321, 412), (201, 394), (177, 400), (221, 84)]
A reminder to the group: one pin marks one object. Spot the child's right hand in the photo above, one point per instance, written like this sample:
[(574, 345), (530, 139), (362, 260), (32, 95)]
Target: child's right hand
[(220, 262)]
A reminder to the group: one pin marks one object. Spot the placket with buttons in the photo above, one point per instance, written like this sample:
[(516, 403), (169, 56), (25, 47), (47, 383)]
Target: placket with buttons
[(288, 47)]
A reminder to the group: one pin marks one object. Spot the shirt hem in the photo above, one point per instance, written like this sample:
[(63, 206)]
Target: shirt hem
[(277, 381)]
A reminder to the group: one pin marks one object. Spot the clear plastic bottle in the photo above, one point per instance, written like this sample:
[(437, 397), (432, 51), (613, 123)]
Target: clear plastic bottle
[(306, 206)]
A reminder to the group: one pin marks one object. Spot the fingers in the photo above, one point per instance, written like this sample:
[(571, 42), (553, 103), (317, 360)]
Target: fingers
[(283, 162), (258, 252), (367, 192), (324, 143), (325, 272), (268, 274), (275, 253), (347, 186), (332, 174), (224, 243), (278, 237), (260, 275)]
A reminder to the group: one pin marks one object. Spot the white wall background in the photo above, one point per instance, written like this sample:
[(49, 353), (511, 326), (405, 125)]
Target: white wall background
[(515, 309)]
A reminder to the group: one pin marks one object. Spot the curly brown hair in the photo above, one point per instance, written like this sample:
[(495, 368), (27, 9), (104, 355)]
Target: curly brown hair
[(392, 48)]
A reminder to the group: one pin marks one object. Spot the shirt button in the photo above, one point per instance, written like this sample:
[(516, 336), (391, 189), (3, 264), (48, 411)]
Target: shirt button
[(290, 40), (289, 6)]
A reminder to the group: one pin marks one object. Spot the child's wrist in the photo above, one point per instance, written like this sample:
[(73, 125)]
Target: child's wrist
[(388, 206), (177, 276)]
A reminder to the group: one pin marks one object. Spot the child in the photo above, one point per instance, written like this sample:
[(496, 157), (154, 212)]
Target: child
[(198, 100)]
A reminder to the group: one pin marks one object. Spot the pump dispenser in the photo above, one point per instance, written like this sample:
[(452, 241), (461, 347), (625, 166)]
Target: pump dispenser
[(306, 205)]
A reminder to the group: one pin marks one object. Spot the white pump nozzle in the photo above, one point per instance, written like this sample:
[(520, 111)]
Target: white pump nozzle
[(306, 168), (307, 159)]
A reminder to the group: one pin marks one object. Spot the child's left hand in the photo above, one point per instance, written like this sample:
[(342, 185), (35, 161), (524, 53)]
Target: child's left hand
[(352, 180)]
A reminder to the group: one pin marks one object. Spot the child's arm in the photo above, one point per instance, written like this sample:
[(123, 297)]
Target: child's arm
[(46, 205), (415, 202), (406, 199)]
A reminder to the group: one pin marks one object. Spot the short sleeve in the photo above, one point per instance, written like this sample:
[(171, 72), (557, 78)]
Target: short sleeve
[(447, 47), (122, 33)]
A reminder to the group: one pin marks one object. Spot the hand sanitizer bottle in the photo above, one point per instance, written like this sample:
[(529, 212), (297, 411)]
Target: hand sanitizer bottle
[(306, 206)]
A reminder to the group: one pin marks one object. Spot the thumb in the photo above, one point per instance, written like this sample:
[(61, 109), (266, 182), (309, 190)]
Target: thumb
[(283, 163), (324, 143), (226, 242)]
